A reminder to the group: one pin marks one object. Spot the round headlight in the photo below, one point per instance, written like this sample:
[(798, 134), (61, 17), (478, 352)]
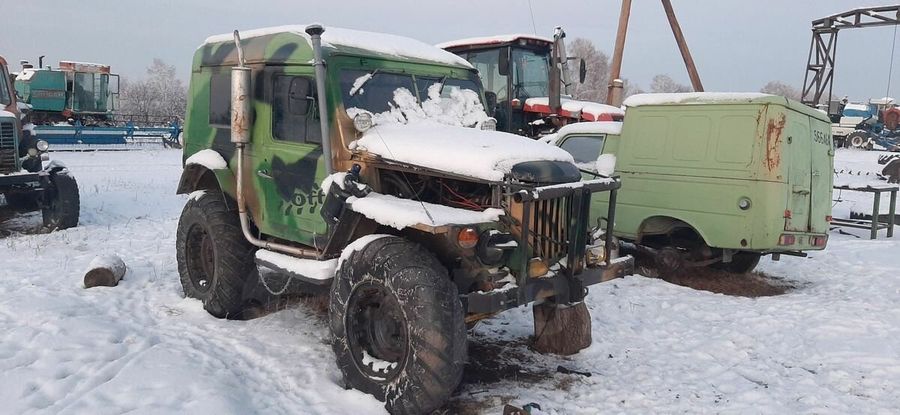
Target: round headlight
[(42, 145), (362, 122), (489, 124)]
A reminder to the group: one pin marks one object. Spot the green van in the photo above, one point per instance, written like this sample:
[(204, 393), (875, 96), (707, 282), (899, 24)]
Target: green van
[(715, 179)]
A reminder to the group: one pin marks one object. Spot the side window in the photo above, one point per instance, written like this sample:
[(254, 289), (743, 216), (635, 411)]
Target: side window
[(294, 112), (220, 99), (585, 149)]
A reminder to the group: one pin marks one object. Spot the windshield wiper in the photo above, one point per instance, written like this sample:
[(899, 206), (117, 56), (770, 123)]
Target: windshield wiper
[(368, 77)]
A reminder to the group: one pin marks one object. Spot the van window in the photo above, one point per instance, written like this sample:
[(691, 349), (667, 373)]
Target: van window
[(294, 112), (220, 99), (584, 149)]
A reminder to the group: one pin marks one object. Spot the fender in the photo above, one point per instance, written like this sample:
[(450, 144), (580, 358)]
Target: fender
[(199, 173)]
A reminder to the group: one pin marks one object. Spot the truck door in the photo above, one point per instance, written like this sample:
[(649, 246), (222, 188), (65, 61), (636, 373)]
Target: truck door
[(288, 164), (798, 145)]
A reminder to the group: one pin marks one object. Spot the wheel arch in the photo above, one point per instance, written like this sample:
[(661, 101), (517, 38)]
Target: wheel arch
[(199, 177), (665, 225)]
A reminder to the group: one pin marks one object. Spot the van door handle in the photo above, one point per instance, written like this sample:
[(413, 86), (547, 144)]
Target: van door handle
[(800, 190), (263, 173)]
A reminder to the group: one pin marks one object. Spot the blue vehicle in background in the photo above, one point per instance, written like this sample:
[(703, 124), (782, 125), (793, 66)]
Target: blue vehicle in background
[(866, 126)]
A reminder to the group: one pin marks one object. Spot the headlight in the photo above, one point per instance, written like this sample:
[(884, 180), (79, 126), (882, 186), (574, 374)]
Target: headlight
[(489, 124), (42, 145), (362, 122)]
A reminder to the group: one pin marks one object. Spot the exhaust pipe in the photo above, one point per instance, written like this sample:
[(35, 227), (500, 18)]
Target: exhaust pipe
[(240, 136), (41, 62), (315, 34)]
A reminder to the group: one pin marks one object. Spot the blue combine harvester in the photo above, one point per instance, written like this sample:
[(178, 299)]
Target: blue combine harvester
[(74, 104)]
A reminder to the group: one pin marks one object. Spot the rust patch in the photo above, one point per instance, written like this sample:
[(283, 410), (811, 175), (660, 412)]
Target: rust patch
[(774, 131)]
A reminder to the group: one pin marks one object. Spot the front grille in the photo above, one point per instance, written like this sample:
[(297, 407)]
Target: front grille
[(549, 228), (7, 147)]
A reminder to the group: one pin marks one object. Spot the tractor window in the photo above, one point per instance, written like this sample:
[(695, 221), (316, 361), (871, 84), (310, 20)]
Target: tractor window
[(294, 112), (531, 74), (220, 99), (5, 98), (584, 149), (486, 62)]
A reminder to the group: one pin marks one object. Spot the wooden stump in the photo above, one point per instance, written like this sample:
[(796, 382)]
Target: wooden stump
[(104, 270), (561, 329)]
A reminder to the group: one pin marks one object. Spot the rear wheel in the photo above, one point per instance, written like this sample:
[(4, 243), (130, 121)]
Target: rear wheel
[(741, 263), (215, 262), (858, 139), (62, 203), (397, 326)]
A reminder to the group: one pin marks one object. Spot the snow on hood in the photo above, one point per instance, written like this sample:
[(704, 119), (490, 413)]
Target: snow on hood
[(692, 98), (487, 155), (337, 37)]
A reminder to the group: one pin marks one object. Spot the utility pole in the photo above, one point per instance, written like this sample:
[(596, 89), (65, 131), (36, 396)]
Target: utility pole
[(614, 95), (682, 46)]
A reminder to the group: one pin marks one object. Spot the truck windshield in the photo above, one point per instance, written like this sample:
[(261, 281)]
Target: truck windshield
[(374, 91), (531, 73), (5, 97)]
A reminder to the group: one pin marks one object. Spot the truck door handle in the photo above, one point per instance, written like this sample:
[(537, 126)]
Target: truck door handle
[(263, 173)]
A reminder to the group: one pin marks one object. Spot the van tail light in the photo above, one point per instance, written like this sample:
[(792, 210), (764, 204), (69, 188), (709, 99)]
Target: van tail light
[(787, 214), (828, 218), (786, 239), (819, 240)]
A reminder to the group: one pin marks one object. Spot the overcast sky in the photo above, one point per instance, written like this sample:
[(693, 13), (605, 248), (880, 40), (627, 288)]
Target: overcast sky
[(738, 45)]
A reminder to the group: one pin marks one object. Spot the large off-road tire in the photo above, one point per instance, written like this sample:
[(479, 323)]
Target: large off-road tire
[(858, 139), (397, 326), (215, 261), (62, 203), (741, 263)]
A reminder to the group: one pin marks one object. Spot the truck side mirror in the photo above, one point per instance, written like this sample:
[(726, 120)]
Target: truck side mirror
[(503, 62), (490, 99), (582, 71)]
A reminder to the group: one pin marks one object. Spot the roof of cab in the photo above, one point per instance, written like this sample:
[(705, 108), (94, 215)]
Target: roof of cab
[(291, 44), (698, 98), (492, 40)]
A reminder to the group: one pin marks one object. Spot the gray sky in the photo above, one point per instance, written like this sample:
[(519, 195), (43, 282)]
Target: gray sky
[(738, 45)]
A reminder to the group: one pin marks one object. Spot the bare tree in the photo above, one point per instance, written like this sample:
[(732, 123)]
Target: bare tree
[(665, 83), (596, 82), (160, 96), (782, 89)]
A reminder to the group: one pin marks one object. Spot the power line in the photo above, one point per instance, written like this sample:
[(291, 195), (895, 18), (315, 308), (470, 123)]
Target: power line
[(533, 26)]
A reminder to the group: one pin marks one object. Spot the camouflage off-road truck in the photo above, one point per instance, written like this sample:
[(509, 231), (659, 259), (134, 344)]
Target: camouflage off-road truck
[(325, 160), (25, 184)]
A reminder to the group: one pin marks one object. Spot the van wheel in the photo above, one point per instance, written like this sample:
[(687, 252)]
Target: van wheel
[(62, 203), (215, 262), (741, 263), (397, 326)]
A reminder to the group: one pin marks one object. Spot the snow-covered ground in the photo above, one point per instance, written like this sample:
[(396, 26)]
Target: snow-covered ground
[(830, 345)]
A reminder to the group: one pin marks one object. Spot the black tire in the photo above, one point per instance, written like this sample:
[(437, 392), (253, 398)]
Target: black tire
[(741, 263), (418, 332), (215, 261), (858, 139), (62, 203)]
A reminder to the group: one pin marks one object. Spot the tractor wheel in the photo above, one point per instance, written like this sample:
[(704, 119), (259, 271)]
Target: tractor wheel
[(397, 326), (741, 263), (858, 139), (892, 171), (215, 261), (62, 203)]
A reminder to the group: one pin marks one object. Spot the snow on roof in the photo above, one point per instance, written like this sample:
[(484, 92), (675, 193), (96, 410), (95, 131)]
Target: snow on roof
[(596, 127), (403, 213), (693, 98), (486, 155), (857, 107), (595, 109), (26, 74), (336, 37), (489, 40)]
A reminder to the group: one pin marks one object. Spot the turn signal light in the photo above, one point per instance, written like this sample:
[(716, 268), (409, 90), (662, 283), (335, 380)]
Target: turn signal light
[(467, 238), (787, 214), (787, 239), (537, 268), (828, 218), (819, 240)]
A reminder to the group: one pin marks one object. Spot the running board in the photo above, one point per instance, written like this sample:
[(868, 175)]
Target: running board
[(311, 271)]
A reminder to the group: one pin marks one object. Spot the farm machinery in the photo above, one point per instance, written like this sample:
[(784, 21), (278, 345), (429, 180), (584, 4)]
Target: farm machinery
[(75, 104), (867, 125)]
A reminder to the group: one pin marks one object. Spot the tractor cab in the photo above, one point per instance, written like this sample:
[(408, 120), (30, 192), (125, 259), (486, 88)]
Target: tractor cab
[(522, 78), (73, 90)]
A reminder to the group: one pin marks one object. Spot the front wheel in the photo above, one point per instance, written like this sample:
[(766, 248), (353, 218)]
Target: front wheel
[(215, 262), (858, 139), (62, 203), (397, 326)]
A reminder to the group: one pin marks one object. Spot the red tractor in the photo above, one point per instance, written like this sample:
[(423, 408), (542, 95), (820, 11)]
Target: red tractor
[(526, 81)]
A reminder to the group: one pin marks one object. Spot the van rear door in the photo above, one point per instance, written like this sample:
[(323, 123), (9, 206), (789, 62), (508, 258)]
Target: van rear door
[(798, 146), (822, 157)]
